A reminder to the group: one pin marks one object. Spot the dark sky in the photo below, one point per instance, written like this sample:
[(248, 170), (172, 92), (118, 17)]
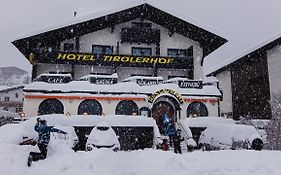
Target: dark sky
[(243, 22)]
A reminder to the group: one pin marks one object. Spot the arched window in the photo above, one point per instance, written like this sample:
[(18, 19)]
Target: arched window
[(16, 95), (196, 109), (91, 107), (50, 106), (145, 111), (126, 107)]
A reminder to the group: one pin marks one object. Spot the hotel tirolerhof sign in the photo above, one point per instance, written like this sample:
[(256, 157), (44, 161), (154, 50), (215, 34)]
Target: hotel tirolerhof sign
[(108, 60)]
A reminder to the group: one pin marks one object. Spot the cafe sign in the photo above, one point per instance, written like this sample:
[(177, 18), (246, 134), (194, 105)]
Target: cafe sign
[(165, 91)]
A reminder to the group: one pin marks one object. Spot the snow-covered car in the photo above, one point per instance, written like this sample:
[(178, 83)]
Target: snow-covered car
[(218, 136), (102, 136), (69, 139)]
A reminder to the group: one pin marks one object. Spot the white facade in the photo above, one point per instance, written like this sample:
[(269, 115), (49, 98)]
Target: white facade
[(109, 38), (31, 105), (226, 87), (11, 99), (274, 64), (12, 76)]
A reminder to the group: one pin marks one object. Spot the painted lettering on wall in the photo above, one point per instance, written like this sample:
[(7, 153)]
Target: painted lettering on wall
[(113, 58)]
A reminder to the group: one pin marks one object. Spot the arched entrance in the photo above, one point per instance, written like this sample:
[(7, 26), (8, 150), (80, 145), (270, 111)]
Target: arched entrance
[(50, 106), (196, 109), (126, 107), (165, 104), (91, 107)]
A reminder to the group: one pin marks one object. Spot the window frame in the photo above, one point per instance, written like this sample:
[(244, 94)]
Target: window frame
[(103, 47), (6, 99), (177, 50), (141, 51), (68, 44)]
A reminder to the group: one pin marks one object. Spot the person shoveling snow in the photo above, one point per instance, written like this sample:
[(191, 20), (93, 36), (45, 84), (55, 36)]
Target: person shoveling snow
[(43, 140)]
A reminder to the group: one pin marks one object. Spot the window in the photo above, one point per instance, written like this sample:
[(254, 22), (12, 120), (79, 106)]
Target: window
[(126, 107), (182, 53), (102, 50), (7, 99), (50, 106), (16, 95), (91, 107), (141, 51), (68, 47), (196, 109)]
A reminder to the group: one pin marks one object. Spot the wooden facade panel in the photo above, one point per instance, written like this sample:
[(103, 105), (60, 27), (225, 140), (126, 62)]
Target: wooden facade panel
[(250, 84)]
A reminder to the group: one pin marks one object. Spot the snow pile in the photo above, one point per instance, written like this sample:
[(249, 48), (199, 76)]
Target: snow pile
[(26, 128), (8, 114), (144, 162), (205, 121)]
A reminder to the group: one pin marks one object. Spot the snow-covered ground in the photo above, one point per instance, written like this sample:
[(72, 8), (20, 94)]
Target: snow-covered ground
[(150, 161), (63, 160)]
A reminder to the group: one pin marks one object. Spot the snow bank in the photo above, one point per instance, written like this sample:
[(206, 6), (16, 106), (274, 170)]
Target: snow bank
[(205, 121), (144, 162), (26, 128), (8, 114)]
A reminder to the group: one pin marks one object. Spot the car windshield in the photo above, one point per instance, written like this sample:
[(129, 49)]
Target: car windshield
[(103, 128)]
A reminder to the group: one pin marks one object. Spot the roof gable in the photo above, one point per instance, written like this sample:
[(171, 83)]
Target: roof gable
[(248, 53), (207, 40)]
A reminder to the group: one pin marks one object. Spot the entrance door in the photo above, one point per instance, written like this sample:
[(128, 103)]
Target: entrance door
[(159, 109)]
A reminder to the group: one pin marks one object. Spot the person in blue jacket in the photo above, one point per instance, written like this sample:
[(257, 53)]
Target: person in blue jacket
[(43, 140)]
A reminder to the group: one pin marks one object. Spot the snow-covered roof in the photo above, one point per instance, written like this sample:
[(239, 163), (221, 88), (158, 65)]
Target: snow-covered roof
[(93, 15), (100, 76), (121, 88), (210, 79), (155, 12), (55, 75), (3, 87), (164, 7), (142, 77), (206, 121), (175, 80), (227, 61), (8, 88)]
